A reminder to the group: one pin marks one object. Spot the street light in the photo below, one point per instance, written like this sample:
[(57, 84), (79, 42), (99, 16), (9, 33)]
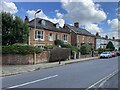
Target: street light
[(35, 36)]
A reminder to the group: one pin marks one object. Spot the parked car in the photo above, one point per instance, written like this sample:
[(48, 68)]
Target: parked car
[(114, 54), (105, 55), (118, 53)]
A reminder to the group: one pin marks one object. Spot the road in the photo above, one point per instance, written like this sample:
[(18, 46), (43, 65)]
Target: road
[(77, 75)]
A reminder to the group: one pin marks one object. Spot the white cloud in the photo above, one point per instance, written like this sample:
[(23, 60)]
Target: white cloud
[(56, 11), (83, 11), (113, 24), (43, 16), (111, 34), (9, 7), (93, 28), (59, 15)]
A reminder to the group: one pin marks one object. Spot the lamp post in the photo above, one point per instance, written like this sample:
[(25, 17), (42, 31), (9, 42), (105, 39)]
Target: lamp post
[(35, 22), (35, 36)]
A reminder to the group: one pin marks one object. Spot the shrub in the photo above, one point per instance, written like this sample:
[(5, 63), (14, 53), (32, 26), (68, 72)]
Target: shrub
[(49, 47), (57, 54), (59, 42), (85, 49), (75, 49), (110, 46), (100, 50), (67, 46), (19, 49)]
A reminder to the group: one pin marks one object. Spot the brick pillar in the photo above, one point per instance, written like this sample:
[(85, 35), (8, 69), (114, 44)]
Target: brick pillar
[(34, 62), (74, 55), (79, 55)]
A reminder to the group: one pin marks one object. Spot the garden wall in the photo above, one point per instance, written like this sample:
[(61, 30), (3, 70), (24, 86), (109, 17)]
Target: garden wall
[(17, 59)]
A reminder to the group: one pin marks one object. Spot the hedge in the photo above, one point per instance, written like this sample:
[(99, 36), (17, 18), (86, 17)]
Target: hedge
[(85, 49), (57, 54), (20, 49), (100, 50)]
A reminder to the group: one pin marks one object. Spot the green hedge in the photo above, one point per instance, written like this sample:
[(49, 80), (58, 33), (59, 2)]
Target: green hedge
[(58, 42), (20, 49), (100, 50), (49, 47), (85, 49), (57, 54)]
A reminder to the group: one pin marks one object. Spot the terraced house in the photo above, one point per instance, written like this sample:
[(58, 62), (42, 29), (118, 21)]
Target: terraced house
[(46, 32), (80, 36)]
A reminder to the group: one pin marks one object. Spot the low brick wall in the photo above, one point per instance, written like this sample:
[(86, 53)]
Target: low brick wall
[(16, 59)]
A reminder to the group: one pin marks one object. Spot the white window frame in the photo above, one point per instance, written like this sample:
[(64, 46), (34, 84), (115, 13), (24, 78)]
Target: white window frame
[(57, 36), (41, 47), (65, 37), (37, 35), (89, 39), (78, 39), (50, 37), (83, 39)]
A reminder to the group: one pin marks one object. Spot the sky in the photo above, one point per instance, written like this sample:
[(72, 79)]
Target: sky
[(95, 17)]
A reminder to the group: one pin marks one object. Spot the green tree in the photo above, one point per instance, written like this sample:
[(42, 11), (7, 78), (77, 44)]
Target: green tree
[(14, 30), (85, 49), (110, 46)]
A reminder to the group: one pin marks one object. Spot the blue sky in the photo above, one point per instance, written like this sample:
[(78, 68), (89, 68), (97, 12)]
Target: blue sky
[(70, 13)]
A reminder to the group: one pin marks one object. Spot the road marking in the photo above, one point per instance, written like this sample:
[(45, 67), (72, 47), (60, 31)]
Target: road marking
[(107, 77), (33, 82)]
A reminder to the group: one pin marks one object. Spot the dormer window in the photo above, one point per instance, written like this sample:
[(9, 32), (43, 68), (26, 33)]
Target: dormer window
[(43, 22), (57, 25)]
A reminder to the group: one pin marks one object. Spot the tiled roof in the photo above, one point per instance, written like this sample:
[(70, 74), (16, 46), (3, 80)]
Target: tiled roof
[(48, 25), (79, 30)]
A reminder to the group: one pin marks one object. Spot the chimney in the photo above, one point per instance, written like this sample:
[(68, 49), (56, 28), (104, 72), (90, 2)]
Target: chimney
[(76, 24), (26, 19), (97, 34), (113, 38), (106, 36)]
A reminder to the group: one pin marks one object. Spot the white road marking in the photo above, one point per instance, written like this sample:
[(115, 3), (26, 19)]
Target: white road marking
[(32, 82), (107, 77)]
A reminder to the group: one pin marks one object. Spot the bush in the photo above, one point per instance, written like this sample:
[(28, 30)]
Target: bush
[(19, 49), (49, 47), (57, 54), (85, 49), (75, 49), (100, 50), (67, 46), (110, 46), (59, 42)]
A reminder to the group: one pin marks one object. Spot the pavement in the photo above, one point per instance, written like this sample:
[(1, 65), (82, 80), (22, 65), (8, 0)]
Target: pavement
[(77, 75), (18, 69)]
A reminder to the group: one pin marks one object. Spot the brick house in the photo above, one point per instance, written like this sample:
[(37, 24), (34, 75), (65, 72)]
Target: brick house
[(80, 36), (46, 32)]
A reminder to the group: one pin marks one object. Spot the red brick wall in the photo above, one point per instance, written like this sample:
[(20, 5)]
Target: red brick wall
[(73, 38), (24, 59), (86, 39)]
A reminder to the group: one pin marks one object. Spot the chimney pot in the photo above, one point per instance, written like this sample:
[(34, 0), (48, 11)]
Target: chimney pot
[(76, 24), (113, 38), (26, 19), (106, 36)]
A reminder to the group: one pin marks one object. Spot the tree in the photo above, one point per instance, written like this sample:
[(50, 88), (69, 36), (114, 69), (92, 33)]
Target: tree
[(110, 46), (59, 42), (14, 30), (85, 49)]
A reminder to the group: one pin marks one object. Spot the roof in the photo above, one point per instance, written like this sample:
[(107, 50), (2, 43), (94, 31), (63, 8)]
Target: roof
[(79, 30), (48, 25)]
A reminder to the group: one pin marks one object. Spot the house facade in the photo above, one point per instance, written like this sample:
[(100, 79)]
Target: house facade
[(80, 36), (101, 42), (46, 33)]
